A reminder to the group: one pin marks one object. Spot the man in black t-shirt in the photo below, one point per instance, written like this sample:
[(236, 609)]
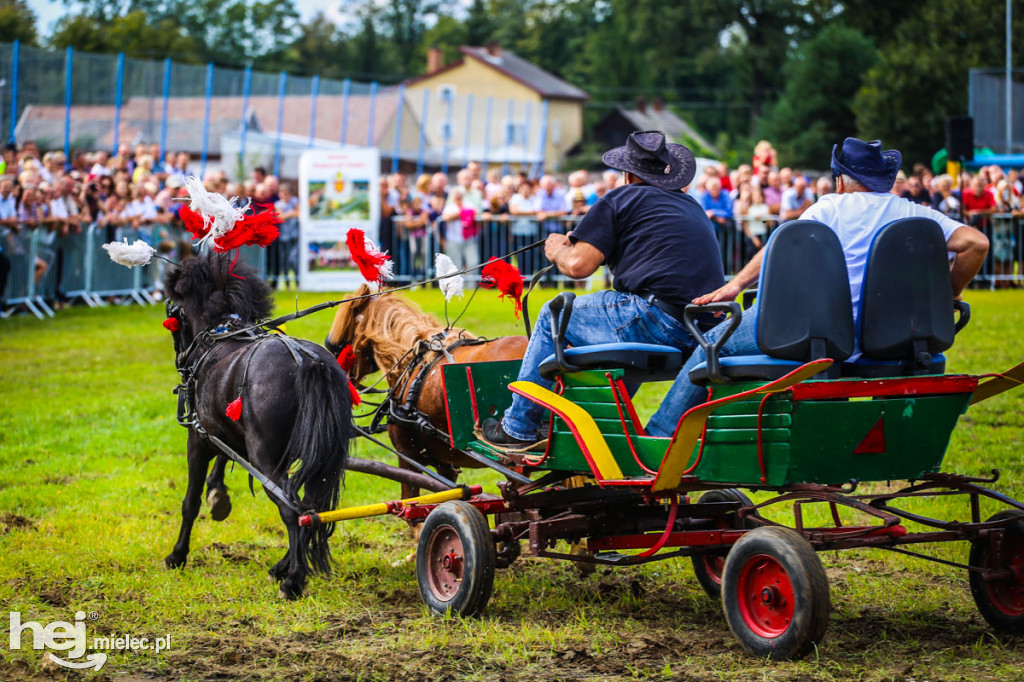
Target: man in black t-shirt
[(661, 249)]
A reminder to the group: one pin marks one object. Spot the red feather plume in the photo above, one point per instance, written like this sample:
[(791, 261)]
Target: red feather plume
[(354, 394), (498, 274), (194, 222), (255, 229), (171, 324), (372, 264)]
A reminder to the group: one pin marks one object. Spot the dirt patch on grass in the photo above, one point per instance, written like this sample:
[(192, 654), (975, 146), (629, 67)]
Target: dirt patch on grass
[(11, 522)]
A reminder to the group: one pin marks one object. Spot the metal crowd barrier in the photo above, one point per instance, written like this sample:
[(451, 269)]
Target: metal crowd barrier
[(1004, 265)]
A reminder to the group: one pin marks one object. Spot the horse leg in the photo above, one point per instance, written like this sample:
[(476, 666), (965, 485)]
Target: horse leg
[(217, 492), (199, 458), (295, 571), (279, 570)]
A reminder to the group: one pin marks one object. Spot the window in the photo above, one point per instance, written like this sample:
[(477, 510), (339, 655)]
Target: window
[(515, 133), (446, 93), (555, 133)]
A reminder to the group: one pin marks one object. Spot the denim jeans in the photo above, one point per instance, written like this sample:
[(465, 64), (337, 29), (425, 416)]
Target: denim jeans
[(683, 395), (600, 317)]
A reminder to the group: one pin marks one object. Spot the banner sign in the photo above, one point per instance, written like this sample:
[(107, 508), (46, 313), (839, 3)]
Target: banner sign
[(338, 190)]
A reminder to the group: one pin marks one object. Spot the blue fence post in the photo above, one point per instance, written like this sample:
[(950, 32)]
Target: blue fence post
[(447, 132), (509, 128), (373, 112), (527, 115), (281, 84), (67, 107), (163, 119), (206, 118), (246, 88), (423, 132), (396, 152), (487, 133), (119, 90), (542, 144), (346, 88), (312, 116), (14, 90), (469, 129)]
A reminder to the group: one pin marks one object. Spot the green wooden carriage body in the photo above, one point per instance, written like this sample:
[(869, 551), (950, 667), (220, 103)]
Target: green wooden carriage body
[(774, 442)]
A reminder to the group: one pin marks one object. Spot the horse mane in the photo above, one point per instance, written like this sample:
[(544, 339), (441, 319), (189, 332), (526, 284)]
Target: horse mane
[(208, 289), (387, 326)]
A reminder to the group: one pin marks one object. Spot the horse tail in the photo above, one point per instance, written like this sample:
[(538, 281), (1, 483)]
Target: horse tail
[(319, 441)]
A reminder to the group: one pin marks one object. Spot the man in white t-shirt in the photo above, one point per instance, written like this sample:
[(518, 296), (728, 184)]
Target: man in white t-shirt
[(861, 206)]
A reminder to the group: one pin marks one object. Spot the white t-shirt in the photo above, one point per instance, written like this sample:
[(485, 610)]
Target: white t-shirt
[(857, 216)]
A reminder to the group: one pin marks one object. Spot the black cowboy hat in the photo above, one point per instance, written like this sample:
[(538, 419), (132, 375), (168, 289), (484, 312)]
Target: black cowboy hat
[(646, 155), (866, 163)]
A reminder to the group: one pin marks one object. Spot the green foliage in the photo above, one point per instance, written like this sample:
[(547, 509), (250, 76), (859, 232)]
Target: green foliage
[(17, 22), (922, 74), (820, 81)]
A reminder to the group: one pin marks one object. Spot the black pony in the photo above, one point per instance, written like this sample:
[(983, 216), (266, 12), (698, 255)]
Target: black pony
[(294, 419)]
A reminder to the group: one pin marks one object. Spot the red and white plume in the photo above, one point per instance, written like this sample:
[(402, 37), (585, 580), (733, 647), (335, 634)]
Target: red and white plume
[(130, 255), (374, 265), (214, 218)]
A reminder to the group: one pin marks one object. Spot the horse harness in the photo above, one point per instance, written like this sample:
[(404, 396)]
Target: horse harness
[(189, 368)]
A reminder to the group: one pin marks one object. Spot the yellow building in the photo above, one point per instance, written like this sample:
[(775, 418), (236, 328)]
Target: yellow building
[(495, 107)]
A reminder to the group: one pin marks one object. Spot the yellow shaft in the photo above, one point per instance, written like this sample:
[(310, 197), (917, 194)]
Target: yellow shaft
[(385, 507)]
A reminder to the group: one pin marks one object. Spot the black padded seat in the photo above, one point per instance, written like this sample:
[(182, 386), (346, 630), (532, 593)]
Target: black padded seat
[(804, 311), (906, 307), (641, 361)]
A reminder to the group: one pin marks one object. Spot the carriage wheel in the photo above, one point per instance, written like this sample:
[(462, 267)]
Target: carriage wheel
[(455, 560), (775, 593), (708, 566), (1001, 602)]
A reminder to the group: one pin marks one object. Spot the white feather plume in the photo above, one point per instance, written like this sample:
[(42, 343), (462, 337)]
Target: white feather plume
[(219, 213), (451, 284), (130, 255), (387, 269)]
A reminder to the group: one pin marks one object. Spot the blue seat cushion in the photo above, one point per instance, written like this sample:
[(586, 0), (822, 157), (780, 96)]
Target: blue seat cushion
[(875, 368), (641, 361), (741, 367)]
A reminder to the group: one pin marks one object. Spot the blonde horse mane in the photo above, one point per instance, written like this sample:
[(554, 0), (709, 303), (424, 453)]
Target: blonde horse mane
[(386, 326)]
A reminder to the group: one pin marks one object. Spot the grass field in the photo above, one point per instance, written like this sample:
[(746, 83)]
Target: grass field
[(92, 471)]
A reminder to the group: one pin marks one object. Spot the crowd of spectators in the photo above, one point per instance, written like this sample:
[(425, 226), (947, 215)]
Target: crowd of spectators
[(473, 215)]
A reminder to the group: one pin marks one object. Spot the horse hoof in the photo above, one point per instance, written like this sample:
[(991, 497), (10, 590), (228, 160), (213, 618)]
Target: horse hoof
[(220, 504), (408, 559), (174, 562), (288, 594)]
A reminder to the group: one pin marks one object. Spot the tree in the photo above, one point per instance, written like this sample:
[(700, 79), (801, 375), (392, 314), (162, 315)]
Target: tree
[(239, 32), (17, 22), (820, 81), (922, 74), (135, 34)]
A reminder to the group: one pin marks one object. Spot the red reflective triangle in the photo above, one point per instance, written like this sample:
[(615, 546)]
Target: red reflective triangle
[(874, 442)]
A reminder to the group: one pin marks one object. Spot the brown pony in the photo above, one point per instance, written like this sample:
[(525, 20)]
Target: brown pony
[(384, 333)]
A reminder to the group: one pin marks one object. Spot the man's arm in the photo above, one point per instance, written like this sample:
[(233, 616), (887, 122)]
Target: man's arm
[(577, 260), (970, 247)]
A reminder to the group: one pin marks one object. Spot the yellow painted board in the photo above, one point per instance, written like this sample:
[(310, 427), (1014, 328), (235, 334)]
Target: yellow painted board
[(584, 428)]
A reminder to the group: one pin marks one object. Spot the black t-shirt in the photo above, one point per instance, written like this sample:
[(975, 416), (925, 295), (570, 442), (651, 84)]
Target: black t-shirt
[(654, 241)]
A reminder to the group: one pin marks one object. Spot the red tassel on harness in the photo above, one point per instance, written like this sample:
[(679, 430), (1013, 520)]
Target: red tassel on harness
[(234, 411), (498, 274), (171, 324), (373, 265), (346, 358), (255, 229), (354, 394)]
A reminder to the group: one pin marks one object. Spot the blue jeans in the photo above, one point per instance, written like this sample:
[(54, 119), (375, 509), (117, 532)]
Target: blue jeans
[(600, 317), (684, 394)]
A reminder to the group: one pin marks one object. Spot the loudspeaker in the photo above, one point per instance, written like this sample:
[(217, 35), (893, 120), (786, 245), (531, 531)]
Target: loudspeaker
[(960, 138)]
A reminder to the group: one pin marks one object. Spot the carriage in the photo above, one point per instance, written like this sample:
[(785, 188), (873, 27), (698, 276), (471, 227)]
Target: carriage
[(836, 444)]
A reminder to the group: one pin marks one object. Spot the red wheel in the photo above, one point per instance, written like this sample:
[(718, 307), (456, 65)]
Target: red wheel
[(708, 566), (1001, 600), (455, 560), (775, 593), (765, 595)]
